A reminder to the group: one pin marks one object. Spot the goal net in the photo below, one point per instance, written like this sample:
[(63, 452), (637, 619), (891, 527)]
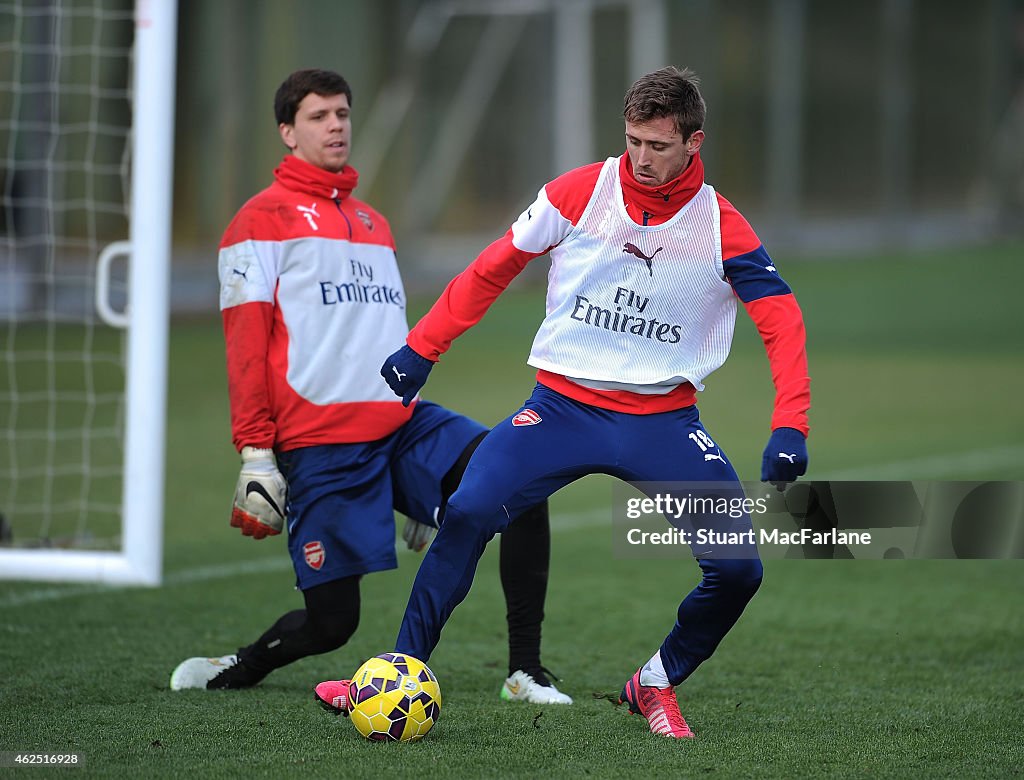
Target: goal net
[(86, 102)]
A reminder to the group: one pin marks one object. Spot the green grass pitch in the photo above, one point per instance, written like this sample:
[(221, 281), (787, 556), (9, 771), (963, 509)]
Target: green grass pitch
[(838, 668)]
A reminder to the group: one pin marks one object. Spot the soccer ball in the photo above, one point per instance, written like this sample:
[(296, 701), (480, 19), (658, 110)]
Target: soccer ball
[(394, 698)]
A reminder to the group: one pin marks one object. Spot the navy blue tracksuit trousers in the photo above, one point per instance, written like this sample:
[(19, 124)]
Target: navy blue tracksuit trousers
[(517, 466)]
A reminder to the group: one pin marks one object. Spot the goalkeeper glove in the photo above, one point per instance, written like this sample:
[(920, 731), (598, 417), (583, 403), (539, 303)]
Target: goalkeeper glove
[(785, 457), (259, 495), (417, 535), (406, 372)]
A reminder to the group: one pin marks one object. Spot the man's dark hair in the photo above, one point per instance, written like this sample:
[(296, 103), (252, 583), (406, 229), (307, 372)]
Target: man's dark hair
[(667, 92), (325, 83)]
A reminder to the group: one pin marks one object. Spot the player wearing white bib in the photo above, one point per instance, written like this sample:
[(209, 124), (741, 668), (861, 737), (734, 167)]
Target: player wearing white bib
[(312, 301), (647, 264)]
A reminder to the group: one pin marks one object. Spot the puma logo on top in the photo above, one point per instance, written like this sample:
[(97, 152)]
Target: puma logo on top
[(633, 249), (309, 212)]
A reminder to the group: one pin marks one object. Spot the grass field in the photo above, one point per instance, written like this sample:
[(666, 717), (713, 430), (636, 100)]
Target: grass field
[(838, 668)]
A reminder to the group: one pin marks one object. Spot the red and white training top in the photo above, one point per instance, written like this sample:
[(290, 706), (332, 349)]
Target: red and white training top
[(312, 304), (641, 292)]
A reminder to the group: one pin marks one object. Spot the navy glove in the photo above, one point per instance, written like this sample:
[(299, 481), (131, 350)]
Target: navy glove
[(406, 372), (785, 457)]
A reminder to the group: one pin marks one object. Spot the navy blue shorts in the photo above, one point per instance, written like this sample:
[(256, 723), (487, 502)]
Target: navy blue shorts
[(342, 497)]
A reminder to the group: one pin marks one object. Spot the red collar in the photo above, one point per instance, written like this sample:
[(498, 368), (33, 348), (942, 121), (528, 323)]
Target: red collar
[(667, 198), (301, 176)]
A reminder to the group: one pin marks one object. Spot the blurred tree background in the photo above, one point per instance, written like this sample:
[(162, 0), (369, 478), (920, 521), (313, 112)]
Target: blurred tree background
[(832, 125)]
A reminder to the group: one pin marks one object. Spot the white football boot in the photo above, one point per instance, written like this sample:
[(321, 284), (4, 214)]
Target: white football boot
[(199, 672), (534, 689)]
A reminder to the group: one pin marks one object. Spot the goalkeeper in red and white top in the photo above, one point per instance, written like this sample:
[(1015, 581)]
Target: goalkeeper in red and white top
[(647, 265), (312, 302)]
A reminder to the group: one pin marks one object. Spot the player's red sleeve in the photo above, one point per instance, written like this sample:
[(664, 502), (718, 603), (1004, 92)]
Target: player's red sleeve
[(738, 238), (781, 324), (570, 193), (468, 297), (246, 337), (775, 312), (556, 210)]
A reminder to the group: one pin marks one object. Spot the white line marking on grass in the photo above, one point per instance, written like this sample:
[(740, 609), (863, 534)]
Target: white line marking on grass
[(588, 518), (962, 465), (183, 577), (560, 523), (52, 594), (222, 571)]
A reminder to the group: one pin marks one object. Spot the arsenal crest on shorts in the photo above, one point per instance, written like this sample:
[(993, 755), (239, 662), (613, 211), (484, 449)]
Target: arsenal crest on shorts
[(526, 417), (315, 554)]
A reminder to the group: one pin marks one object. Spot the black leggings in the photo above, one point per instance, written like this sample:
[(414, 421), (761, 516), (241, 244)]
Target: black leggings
[(331, 613)]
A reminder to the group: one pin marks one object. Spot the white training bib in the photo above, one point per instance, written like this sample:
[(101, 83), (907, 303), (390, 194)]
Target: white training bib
[(637, 304)]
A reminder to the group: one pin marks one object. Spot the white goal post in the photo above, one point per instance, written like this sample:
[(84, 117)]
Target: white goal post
[(145, 317)]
